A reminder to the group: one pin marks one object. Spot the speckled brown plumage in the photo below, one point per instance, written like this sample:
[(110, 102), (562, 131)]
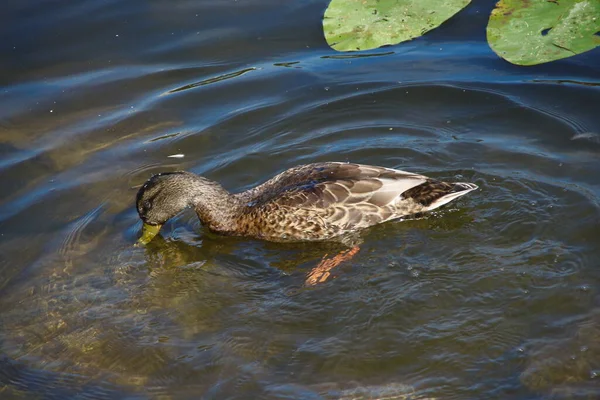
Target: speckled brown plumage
[(309, 202)]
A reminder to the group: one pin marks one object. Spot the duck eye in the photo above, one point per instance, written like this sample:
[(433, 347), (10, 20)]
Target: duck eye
[(147, 205)]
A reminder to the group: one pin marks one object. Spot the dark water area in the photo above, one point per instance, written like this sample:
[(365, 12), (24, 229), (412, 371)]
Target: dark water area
[(495, 296)]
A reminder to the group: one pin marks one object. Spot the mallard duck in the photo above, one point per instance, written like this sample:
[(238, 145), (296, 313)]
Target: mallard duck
[(310, 202)]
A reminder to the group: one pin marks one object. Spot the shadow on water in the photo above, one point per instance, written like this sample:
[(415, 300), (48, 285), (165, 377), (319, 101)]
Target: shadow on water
[(495, 295)]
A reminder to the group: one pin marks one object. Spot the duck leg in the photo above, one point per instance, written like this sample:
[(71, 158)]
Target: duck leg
[(321, 272)]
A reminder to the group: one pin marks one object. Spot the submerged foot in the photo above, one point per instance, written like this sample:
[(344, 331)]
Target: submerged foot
[(321, 272)]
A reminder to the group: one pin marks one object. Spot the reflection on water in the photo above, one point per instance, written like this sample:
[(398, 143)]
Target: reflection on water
[(343, 56), (494, 296)]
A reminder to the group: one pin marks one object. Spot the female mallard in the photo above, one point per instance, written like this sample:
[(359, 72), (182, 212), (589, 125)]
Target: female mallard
[(305, 203)]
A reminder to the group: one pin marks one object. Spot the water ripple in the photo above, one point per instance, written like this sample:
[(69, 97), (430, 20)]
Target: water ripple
[(492, 297), (212, 80)]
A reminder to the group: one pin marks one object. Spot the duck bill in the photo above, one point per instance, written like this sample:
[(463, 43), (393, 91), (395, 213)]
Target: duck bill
[(148, 233)]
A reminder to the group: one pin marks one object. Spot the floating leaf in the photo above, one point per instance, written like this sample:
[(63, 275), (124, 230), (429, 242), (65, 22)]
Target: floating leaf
[(351, 25), (529, 32)]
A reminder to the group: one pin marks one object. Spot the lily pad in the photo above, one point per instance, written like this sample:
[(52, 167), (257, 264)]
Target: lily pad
[(351, 25), (529, 32)]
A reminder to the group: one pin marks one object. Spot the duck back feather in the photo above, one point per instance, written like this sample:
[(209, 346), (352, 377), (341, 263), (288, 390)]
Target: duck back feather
[(323, 200)]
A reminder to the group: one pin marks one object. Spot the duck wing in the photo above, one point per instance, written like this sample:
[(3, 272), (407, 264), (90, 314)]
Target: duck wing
[(346, 196)]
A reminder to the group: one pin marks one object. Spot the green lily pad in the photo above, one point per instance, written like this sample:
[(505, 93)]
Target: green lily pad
[(351, 25), (529, 32)]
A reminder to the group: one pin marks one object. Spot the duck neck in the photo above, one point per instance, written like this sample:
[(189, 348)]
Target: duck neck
[(216, 207)]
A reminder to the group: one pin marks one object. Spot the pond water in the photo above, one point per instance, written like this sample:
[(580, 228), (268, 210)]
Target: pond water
[(495, 296)]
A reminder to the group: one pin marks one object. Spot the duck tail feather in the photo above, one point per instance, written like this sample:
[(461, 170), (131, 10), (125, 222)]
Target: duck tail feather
[(459, 189)]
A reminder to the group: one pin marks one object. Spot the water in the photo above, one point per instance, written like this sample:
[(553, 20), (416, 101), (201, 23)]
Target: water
[(495, 296)]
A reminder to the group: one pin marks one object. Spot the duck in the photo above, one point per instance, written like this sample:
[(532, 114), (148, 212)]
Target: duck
[(312, 202)]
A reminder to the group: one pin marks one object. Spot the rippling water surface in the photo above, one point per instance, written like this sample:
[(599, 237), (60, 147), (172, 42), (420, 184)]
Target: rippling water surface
[(496, 296)]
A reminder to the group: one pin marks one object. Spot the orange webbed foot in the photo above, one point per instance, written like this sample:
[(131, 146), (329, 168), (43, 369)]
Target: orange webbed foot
[(321, 272)]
